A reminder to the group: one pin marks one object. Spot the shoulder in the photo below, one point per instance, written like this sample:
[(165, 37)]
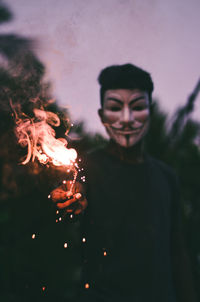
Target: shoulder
[(161, 167), (165, 173)]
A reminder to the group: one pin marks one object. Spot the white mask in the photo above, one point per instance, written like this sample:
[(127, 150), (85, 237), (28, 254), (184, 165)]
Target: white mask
[(125, 115)]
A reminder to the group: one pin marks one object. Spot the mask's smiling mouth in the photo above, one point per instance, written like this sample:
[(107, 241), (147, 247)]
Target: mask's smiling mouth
[(127, 131)]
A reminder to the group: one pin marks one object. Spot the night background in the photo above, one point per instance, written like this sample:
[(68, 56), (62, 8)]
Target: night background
[(39, 267)]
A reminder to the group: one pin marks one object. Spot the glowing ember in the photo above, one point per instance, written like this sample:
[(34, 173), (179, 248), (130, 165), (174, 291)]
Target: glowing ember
[(33, 236), (87, 285), (105, 253), (43, 288), (83, 240), (65, 245)]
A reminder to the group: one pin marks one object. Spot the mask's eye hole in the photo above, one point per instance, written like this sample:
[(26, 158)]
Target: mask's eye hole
[(138, 108), (114, 108)]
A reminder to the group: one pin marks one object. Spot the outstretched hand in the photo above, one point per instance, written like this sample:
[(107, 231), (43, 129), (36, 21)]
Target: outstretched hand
[(74, 201)]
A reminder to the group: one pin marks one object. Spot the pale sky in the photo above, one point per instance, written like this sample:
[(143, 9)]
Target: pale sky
[(77, 38)]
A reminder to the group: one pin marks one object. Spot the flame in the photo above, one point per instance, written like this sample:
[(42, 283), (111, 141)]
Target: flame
[(36, 133)]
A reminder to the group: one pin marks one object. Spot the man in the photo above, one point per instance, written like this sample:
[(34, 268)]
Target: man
[(133, 247)]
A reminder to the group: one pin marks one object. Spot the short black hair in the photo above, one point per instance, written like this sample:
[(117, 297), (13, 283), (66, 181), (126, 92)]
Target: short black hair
[(127, 76)]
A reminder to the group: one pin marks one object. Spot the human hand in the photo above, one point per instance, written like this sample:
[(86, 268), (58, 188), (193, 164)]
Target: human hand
[(70, 201)]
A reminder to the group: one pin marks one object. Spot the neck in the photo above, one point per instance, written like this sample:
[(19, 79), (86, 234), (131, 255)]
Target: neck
[(134, 154)]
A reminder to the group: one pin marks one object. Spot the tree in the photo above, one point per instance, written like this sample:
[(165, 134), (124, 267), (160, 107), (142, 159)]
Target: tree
[(177, 145)]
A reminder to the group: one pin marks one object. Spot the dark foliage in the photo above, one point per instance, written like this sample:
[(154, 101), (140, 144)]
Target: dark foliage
[(5, 14)]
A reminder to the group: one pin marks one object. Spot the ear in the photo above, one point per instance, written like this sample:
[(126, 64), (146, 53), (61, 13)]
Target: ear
[(100, 113)]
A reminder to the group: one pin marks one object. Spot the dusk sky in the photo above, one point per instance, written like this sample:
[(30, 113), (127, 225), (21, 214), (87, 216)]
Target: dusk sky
[(77, 38)]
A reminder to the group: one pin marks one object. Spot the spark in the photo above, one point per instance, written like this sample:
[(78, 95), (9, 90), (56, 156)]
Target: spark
[(84, 239), (65, 245), (33, 236), (87, 285), (83, 178)]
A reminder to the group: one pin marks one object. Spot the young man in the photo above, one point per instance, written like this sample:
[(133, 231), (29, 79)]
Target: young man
[(131, 223)]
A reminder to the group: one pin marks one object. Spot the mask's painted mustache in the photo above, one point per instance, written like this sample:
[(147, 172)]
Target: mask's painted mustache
[(124, 128)]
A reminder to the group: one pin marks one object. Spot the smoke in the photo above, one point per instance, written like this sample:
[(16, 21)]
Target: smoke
[(37, 134)]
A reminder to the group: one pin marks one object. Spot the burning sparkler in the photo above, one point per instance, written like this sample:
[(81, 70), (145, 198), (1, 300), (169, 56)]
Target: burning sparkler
[(38, 136)]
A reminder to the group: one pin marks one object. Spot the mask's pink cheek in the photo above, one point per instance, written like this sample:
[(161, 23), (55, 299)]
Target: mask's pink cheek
[(110, 118), (142, 116)]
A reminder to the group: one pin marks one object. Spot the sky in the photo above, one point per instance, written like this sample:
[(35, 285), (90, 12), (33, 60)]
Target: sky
[(78, 38)]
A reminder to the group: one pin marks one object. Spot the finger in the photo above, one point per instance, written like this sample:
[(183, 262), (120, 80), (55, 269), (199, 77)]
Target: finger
[(70, 201), (78, 195), (67, 203), (68, 210), (78, 210), (60, 195)]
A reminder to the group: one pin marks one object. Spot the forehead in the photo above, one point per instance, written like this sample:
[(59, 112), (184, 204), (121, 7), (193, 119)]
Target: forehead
[(124, 95)]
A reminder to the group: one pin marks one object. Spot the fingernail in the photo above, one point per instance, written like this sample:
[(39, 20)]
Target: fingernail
[(78, 195)]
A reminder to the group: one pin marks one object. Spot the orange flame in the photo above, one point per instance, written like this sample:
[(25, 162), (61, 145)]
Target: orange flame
[(38, 136)]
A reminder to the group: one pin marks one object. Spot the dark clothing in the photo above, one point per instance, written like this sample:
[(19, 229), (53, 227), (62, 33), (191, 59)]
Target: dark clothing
[(129, 225)]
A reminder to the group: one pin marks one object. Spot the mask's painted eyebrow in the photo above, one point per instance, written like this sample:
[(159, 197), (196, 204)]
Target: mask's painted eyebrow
[(142, 97), (114, 99)]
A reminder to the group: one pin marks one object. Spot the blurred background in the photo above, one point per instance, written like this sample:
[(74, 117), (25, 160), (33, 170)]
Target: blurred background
[(54, 50), (76, 39)]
